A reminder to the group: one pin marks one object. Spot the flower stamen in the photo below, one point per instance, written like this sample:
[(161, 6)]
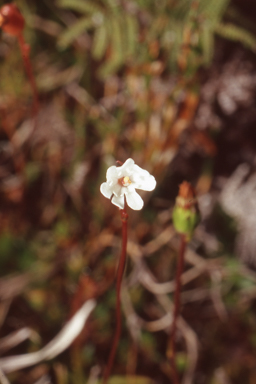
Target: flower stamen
[(124, 181)]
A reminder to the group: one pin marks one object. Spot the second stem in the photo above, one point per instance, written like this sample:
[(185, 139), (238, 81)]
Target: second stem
[(180, 267)]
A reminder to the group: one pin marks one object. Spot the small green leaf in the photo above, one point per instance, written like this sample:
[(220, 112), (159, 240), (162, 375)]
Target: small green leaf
[(118, 43), (100, 42), (175, 49), (207, 41), (75, 30), (109, 68), (131, 25), (80, 6), (214, 9), (233, 32)]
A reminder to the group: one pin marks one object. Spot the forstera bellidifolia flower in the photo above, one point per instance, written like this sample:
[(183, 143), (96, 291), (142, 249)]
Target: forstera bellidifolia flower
[(122, 182)]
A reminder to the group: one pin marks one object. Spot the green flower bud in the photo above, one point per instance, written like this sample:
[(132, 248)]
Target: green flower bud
[(185, 213)]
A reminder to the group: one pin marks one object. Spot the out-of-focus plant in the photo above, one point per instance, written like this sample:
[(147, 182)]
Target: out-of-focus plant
[(122, 84), (180, 33), (12, 22)]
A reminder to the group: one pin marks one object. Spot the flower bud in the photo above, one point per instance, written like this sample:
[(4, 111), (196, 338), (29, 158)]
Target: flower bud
[(185, 213), (11, 20)]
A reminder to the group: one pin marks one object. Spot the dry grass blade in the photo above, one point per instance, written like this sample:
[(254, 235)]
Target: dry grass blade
[(61, 342), (16, 338)]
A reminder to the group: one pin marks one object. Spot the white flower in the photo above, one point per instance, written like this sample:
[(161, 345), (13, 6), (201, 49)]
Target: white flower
[(123, 181)]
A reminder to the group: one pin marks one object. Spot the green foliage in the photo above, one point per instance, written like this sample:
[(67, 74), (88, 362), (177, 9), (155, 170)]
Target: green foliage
[(213, 9), (74, 31), (100, 42), (80, 6), (185, 32), (235, 33), (15, 251)]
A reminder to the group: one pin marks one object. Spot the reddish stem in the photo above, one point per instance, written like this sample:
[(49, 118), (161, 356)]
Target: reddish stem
[(25, 49), (172, 349), (120, 272)]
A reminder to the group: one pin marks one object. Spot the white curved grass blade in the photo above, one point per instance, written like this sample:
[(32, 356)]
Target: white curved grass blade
[(17, 337), (58, 344)]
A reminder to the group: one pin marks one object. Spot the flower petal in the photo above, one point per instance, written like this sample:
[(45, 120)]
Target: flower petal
[(146, 184), (117, 190), (129, 189), (134, 200), (126, 169), (139, 171), (118, 201), (112, 173), (128, 163), (106, 190)]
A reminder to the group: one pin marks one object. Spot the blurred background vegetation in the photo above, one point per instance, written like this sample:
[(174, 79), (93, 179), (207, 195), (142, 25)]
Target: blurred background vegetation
[(170, 83)]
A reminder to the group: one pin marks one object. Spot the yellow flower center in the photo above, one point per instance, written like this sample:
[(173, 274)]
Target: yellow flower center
[(124, 181)]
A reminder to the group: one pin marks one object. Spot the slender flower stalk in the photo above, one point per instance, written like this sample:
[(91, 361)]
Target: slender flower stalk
[(12, 22), (119, 278), (185, 219), (180, 267), (120, 188)]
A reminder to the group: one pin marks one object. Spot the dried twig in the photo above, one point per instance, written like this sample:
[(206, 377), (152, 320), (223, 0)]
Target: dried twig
[(16, 338)]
